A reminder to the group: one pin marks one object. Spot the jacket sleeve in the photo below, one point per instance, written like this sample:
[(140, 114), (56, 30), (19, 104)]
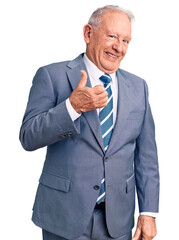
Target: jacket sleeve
[(44, 122), (146, 163)]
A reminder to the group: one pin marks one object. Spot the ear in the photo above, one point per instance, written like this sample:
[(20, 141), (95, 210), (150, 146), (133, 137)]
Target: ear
[(87, 31)]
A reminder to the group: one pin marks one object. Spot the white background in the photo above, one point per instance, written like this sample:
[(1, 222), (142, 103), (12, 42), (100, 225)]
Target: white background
[(39, 32)]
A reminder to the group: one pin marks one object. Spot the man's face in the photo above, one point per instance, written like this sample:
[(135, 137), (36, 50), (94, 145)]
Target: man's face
[(107, 45)]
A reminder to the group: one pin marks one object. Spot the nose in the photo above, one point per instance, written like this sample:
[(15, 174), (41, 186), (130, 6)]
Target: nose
[(118, 46)]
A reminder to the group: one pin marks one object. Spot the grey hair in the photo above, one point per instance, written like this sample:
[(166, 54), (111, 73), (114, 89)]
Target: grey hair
[(96, 17)]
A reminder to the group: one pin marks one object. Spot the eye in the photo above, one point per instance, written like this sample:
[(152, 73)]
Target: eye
[(126, 41), (112, 36)]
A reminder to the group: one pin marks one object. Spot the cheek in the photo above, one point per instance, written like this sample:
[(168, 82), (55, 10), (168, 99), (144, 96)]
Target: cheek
[(104, 44), (125, 50)]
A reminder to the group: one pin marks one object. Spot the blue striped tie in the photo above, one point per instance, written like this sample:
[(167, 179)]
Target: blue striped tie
[(106, 121)]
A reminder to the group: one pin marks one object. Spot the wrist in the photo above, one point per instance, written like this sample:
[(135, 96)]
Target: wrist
[(152, 214), (74, 106), (72, 112)]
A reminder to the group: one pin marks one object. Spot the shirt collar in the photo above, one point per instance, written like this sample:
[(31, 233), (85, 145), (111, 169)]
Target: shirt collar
[(93, 70)]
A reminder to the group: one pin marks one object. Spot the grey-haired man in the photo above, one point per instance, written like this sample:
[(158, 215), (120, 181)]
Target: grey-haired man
[(64, 114)]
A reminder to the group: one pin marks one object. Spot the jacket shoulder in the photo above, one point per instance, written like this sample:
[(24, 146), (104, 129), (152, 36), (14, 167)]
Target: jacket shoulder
[(131, 77), (56, 66), (62, 67), (65, 64), (54, 71)]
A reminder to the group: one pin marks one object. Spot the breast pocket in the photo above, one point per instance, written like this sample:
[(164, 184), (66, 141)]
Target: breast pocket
[(134, 125), (136, 115)]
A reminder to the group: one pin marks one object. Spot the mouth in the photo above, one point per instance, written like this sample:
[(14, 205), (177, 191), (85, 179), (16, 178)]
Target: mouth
[(111, 55)]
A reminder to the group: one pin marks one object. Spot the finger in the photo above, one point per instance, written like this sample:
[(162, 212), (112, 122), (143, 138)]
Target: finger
[(83, 80), (98, 89), (137, 234), (92, 106), (96, 100), (101, 96), (90, 98), (144, 238)]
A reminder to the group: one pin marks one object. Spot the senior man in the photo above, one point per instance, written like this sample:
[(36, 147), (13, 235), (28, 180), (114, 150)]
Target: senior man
[(96, 122)]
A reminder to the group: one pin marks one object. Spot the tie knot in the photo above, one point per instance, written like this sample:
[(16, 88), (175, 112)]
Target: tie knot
[(106, 79)]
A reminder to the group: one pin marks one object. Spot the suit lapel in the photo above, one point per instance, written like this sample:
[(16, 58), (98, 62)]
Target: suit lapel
[(122, 109), (91, 117)]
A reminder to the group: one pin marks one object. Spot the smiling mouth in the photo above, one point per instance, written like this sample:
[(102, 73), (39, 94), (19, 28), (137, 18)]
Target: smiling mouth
[(111, 55)]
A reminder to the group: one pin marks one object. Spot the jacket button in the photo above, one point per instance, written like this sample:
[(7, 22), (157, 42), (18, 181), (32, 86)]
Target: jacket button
[(96, 187), (106, 159)]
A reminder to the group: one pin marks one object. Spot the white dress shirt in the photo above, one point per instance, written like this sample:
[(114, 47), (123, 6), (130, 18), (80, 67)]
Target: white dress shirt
[(94, 75)]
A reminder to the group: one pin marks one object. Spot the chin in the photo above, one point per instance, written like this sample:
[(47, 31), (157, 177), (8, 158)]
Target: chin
[(111, 67), (111, 70)]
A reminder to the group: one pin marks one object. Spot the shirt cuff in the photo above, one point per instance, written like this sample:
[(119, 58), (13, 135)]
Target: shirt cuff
[(151, 214), (73, 114)]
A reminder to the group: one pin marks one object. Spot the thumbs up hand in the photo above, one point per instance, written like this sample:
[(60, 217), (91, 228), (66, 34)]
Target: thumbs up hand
[(84, 99)]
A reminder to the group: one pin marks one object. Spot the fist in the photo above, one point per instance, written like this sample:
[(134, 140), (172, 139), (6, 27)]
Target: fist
[(146, 228), (84, 99)]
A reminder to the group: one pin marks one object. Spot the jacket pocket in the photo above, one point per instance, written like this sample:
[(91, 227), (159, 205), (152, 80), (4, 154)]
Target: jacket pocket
[(55, 182), (130, 183)]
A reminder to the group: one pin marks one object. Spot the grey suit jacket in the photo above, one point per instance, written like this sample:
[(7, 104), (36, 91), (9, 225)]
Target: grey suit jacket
[(75, 158)]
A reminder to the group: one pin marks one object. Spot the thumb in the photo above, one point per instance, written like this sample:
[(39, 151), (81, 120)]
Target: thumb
[(83, 80), (137, 234)]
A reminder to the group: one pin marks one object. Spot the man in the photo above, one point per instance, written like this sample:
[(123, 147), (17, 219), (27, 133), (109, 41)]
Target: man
[(96, 122)]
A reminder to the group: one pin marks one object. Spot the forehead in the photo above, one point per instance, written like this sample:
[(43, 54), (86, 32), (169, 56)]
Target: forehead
[(116, 21)]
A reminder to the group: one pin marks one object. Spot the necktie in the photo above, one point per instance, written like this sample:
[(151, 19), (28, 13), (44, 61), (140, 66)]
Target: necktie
[(106, 121)]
